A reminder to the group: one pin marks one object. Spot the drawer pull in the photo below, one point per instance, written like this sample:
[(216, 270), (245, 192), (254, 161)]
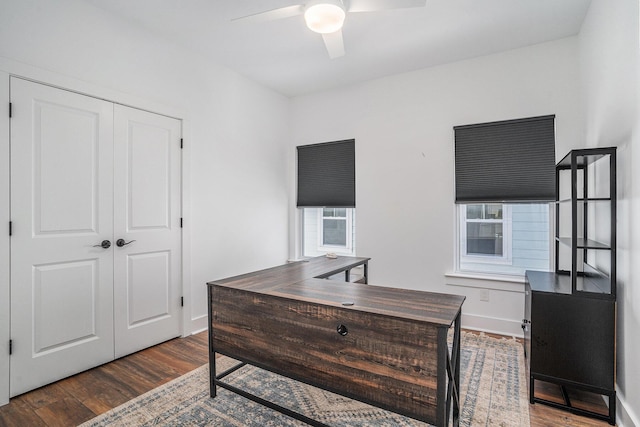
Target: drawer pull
[(342, 330)]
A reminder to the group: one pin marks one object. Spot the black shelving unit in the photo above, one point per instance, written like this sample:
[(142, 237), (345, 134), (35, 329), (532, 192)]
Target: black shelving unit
[(570, 314), (592, 183)]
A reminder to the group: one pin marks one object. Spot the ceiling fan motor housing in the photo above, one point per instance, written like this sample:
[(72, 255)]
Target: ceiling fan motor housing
[(324, 16)]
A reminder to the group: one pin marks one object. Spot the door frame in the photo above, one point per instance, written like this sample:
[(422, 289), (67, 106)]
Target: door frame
[(13, 68), (5, 286)]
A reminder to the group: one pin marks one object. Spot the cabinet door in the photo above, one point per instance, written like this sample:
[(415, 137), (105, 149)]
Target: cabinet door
[(147, 275), (61, 207), (573, 339)]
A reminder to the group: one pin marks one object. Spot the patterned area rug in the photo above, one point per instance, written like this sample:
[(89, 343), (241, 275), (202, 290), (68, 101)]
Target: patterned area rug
[(492, 383)]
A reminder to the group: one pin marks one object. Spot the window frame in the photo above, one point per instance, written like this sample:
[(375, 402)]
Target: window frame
[(348, 232), (507, 245)]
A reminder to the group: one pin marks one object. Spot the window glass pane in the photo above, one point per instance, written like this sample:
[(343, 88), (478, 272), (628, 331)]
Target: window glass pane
[(335, 232), (328, 212), (474, 211), (484, 239), (334, 212), (493, 211)]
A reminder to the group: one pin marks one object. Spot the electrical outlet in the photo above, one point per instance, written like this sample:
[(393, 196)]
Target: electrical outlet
[(484, 295)]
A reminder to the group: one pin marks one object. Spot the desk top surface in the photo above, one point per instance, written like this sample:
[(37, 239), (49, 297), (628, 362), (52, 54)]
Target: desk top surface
[(301, 281), (293, 272)]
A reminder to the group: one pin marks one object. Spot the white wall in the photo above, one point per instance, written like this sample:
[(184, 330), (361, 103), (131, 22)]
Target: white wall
[(403, 127), (235, 130), (609, 57)]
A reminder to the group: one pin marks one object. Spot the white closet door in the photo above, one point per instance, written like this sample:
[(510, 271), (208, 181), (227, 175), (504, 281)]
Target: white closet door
[(147, 276), (61, 207)]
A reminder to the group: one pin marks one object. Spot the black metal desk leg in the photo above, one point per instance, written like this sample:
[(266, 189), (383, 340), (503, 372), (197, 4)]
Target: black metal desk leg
[(456, 374), (212, 352)]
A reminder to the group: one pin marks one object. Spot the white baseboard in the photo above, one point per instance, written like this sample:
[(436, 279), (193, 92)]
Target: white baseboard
[(198, 324), (625, 417), (492, 325)]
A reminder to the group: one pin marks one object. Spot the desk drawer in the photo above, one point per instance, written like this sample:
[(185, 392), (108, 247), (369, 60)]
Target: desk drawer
[(382, 360)]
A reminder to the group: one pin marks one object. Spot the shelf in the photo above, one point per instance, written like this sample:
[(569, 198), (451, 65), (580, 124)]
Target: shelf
[(583, 243), (584, 157), (586, 200), (593, 280), (589, 284)]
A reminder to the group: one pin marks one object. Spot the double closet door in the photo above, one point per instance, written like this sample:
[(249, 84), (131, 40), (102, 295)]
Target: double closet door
[(96, 237)]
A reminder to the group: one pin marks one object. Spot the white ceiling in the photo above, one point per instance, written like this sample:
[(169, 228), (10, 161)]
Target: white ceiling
[(287, 57)]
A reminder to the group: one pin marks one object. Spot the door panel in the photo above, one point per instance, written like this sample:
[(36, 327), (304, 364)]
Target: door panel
[(53, 286), (149, 161), (149, 299), (60, 179), (61, 206), (147, 284)]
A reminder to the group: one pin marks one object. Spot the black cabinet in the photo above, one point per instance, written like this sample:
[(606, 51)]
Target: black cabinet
[(570, 314), (569, 340)]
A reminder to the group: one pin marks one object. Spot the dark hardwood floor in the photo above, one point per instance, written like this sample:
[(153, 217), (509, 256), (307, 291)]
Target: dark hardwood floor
[(76, 399), (79, 398)]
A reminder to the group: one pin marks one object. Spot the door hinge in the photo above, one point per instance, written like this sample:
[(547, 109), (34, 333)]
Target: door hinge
[(181, 301), (181, 143), (10, 228), (10, 347), (180, 222), (10, 110)]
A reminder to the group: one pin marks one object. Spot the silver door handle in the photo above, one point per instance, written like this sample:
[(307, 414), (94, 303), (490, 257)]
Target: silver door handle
[(120, 242)]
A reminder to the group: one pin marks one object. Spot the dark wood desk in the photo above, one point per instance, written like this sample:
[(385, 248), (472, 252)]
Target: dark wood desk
[(383, 346)]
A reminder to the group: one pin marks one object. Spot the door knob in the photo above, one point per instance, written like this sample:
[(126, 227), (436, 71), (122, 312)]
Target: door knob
[(121, 242), (105, 244)]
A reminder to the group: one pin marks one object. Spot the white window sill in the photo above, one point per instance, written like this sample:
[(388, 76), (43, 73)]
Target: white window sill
[(486, 281)]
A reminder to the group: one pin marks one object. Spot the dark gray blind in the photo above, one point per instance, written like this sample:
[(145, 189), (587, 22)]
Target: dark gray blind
[(511, 161), (327, 174)]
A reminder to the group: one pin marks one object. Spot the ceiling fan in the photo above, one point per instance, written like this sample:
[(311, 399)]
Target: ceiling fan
[(326, 17)]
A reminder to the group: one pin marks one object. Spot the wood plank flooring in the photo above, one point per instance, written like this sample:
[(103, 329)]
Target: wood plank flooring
[(79, 398), (76, 399)]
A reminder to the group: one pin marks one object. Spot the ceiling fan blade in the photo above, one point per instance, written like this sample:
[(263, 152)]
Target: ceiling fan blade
[(334, 44), (374, 5), (272, 15)]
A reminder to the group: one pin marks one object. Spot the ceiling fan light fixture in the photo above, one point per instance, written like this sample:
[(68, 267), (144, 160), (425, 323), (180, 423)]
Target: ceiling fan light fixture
[(324, 18)]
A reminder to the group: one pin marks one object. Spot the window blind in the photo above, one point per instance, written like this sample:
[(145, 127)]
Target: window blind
[(506, 161), (327, 174)]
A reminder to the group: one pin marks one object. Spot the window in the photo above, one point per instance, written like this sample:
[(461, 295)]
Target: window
[(503, 238), (333, 228), (510, 161), (328, 230), (484, 232)]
